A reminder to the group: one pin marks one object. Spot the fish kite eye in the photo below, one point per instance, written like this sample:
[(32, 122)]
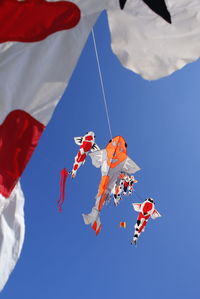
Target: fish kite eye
[(151, 200), (159, 7), (122, 3), (125, 144)]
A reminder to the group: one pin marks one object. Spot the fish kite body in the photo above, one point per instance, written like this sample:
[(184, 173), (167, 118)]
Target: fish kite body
[(113, 160), (146, 210), (87, 144)]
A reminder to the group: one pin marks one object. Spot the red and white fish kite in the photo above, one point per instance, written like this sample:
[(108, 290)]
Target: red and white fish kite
[(146, 210), (87, 144), (124, 185)]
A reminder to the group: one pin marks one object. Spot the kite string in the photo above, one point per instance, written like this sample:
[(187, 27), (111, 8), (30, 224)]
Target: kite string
[(101, 80)]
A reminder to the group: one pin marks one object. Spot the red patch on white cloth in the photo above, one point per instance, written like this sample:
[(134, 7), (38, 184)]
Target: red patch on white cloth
[(86, 146), (147, 207), (81, 158), (34, 20), (19, 136), (89, 138)]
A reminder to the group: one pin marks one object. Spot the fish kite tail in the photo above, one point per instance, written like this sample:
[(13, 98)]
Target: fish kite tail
[(136, 235), (139, 228), (93, 219)]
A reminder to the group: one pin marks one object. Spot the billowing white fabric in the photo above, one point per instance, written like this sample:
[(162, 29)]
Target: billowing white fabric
[(35, 75), (147, 44), (137, 207), (12, 230)]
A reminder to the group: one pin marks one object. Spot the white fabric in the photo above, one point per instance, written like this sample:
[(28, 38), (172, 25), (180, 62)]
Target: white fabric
[(147, 44), (130, 166), (155, 214), (137, 207), (78, 140), (12, 230), (98, 157), (34, 75)]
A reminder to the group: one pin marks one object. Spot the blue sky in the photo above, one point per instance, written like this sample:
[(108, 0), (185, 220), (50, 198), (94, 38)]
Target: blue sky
[(62, 257)]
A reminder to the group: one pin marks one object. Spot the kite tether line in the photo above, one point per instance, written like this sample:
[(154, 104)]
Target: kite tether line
[(103, 91), (101, 81)]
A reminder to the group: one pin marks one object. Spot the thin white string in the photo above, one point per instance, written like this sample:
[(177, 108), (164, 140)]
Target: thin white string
[(102, 85)]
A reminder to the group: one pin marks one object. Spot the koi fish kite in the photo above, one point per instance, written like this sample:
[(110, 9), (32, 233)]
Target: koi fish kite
[(40, 43), (124, 185), (113, 160), (146, 210), (87, 144)]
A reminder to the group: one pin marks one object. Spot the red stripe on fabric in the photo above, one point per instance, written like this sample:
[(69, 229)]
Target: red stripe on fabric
[(98, 230), (34, 20), (19, 136), (94, 226), (63, 178)]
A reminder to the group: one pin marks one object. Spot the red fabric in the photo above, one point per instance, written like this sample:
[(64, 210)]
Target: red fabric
[(140, 216), (34, 20), (94, 226), (86, 146), (126, 184), (75, 167), (98, 230), (80, 157), (19, 136), (143, 226), (63, 178), (147, 207), (89, 138)]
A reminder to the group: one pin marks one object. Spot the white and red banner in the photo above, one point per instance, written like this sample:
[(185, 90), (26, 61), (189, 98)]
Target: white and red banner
[(35, 70), (40, 43)]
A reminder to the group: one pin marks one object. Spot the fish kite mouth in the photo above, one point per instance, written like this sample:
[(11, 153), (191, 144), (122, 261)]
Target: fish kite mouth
[(159, 7)]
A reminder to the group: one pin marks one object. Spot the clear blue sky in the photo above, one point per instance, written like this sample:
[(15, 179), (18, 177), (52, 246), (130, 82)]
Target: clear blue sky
[(62, 258)]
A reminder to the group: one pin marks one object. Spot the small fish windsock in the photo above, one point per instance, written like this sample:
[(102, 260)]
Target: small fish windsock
[(122, 224)]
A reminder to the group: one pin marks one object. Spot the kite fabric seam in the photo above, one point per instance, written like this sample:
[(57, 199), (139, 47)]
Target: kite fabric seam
[(101, 81)]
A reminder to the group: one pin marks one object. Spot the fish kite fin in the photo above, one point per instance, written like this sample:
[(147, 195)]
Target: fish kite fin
[(78, 140), (137, 207), (93, 219), (98, 157), (155, 214), (95, 148), (130, 166)]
